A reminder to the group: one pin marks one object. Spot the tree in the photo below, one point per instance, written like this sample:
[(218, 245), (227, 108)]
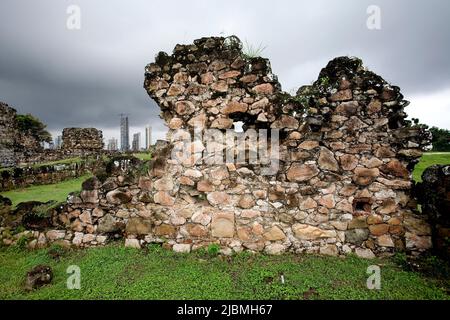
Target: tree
[(441, 139), (33, 126)]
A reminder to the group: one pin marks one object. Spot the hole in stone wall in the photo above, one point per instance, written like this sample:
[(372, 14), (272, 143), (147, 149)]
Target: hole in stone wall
[(248, 120), (362, 205)]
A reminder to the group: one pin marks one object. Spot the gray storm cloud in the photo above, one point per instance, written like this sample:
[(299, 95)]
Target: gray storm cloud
[(87, 77)]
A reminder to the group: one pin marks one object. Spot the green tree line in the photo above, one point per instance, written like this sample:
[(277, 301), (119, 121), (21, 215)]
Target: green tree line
[(441, 139)]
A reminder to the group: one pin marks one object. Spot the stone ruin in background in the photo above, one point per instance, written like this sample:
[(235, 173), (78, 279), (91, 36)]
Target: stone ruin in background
[(82, 139), (343, 179), (24, 161), (19, 147), (14, 144)]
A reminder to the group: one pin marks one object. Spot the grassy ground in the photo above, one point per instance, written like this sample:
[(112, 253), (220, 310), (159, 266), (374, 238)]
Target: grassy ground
[(144, 156), (115, 272), (45, 193), (429, 159)]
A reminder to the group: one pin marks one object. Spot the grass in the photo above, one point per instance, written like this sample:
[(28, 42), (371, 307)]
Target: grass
[(115, 272), (144, 156), (251, 51), (429, 159), (64, 161), (45, 193)]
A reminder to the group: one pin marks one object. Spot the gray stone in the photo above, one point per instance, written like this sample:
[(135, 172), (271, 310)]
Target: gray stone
[(356, 236)]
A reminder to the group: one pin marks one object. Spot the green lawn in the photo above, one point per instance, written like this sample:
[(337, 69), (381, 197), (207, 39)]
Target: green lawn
[(429, 159), (144, 156), (45, 193), (64, 161), (115, 272)]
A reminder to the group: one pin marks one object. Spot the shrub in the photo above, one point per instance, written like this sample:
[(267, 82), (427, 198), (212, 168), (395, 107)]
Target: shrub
[(213, 249), (32, 125), (56, 251), (22, 242)]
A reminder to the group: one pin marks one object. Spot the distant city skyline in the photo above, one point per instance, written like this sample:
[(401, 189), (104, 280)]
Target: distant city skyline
[(112, 144), (136, 144), (109, 53), (115, 134)]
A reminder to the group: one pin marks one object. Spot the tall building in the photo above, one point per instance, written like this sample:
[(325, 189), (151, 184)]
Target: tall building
[(148, 137), (124, 133), (112, 144), (136, 141), (58, 142)]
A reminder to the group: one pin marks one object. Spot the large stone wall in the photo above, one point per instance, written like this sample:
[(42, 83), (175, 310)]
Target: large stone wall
[(342, 184), (82, 139)]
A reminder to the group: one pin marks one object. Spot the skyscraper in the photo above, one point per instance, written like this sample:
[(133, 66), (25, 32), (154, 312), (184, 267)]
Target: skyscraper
[(148, 137), (112, 144), (136, 141), (58, 142), (124, 133)]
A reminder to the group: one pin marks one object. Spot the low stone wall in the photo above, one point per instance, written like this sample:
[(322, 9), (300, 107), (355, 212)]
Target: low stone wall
[(122, 208), (33, 171), (52, 155), (21, 177)]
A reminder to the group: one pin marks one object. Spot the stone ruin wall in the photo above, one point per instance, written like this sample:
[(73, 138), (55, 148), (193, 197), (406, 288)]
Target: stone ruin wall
[(82, 139), (15, 145), (8, 132), (22, 148), (344, 182), (21, 155)]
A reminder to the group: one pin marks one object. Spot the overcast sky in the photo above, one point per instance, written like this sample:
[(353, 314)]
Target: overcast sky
[(87, 77)]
